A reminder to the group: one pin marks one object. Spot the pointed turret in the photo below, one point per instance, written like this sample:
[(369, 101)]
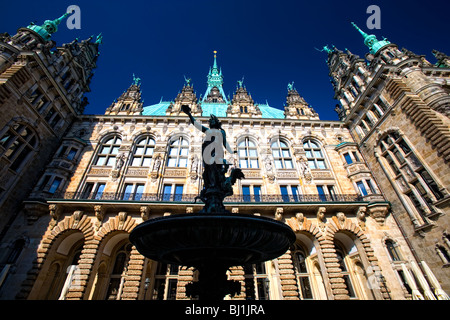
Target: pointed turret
[(186, 97), (296, 107), (130, 102), (242, 104), (214, 91)]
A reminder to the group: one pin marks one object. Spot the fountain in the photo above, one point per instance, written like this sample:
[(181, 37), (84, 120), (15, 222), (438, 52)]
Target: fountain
[(213, 240)]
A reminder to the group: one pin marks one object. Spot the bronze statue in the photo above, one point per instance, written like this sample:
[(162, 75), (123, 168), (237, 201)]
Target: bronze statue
[(215, 185)]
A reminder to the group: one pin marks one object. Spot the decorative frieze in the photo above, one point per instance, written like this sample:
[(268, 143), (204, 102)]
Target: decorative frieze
[(175, 173)]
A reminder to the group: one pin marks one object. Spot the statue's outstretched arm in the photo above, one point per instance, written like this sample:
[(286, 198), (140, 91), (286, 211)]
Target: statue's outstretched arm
[(196, 124), (226, 144)]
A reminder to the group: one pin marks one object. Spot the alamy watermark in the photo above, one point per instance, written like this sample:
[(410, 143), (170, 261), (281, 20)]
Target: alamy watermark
[(374, 20), (74, 20)]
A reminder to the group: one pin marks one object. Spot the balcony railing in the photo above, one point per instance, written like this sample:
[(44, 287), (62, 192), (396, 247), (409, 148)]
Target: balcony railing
[(190, 198)]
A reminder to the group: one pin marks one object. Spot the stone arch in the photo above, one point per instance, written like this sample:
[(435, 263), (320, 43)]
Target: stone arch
[(175, 134), (383, 133), (55, 234), (239, 137), (140, 134), (110, 234), (339, 223), (282, 136), (121, 222), (54, 253), (315, 137), (324, 248), (103, 135)]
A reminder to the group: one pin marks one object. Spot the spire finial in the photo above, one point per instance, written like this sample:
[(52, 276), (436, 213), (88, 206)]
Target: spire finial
[(49, 27), (371, 40), (215, 60), (365, 35), (99, 39), (326, 49)]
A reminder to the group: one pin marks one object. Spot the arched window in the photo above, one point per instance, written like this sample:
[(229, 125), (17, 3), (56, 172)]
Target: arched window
[(340, 253), (281, 155), (302, 273), (108, 151), (316, 159), (392, 249), (118, 272), (16, 144), (248, 154), (178, 153), (143, 151), (71, 270)]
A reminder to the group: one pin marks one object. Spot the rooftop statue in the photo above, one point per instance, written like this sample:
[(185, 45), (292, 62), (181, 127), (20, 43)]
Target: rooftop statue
[(290, 86), (215, 185), (187, 80), (137, 80)]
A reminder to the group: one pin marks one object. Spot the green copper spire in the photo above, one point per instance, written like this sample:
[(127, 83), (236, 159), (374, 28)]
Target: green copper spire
[(326, 49), (99, 39), (49, 27), (371, 41), (215, 79)]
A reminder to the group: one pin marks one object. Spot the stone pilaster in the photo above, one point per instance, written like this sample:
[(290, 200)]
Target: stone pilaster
[(287, 277), (185, 276), (134, 275), (237, 274), (335, 278), (86, 263)]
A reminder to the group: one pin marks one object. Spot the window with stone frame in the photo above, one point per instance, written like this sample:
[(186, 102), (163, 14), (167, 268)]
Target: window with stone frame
[(415, 181), (282, 155), (341, 256), (302, 272), (16, 144), (108, 150), (256, 281), (248, 154), (393, 250), (178, 153), (143, 152), (165, 282), (118, 272), (314, 154)]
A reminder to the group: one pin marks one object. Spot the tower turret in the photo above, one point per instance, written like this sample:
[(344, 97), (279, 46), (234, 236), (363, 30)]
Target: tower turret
[(186, 97), (214, 91), (129, 103), (296, 107), (242, 104)]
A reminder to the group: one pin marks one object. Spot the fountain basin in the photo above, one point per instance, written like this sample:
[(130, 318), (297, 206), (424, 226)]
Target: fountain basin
[(197, 240)]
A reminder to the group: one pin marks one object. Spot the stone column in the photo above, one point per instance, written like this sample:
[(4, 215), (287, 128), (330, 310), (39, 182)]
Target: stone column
[(337, 285), (86, 263), (185, 275), (287, 277), (134, 275)]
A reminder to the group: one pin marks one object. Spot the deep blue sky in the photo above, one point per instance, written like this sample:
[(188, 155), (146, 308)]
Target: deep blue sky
[(271, 43)]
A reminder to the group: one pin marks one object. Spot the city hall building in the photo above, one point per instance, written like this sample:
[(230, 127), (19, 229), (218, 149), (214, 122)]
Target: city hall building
[(367, 196)]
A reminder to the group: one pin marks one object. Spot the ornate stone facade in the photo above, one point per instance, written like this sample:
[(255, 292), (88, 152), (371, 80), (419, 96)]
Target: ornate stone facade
[(364, 220)]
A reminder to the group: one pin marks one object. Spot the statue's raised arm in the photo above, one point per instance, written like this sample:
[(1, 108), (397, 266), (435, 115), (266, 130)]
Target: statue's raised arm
[(187, 110)]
